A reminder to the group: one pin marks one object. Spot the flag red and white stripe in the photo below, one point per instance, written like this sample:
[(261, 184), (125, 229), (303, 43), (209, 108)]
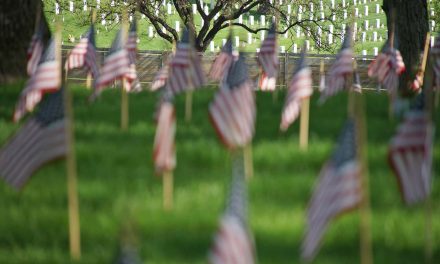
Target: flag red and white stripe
[(222, 63), (164, 154), (83, 55), (268, 61), (40, 140), (47, 78), (34, 53), (410, 156), (131, 77), (339, 189), (233, 110), (300, 88), (386, 68)]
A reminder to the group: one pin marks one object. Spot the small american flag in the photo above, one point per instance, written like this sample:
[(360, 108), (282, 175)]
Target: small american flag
[(47, 78), (164, 154), (436, 65), (83, 55), (40, 140), (387, 67), (234, 243), (410, 153), (268, 60), (341, 69), (116, 65), (222, 62), (185, 72), (299, 89), (35, 49), (131, 79), (233, 110), (339, 189), (161, 76)]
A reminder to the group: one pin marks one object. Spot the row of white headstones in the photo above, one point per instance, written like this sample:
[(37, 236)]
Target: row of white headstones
[(250, 39)]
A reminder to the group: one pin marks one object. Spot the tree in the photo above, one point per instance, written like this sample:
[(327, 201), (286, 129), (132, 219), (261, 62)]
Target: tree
[(411, 26), (17, 23)]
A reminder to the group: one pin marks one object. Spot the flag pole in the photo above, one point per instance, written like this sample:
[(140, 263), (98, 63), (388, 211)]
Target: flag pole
[(89, 74), (356, 106), (72, 192), (124, 96), (189, 93), (168, 189), (425, 56)]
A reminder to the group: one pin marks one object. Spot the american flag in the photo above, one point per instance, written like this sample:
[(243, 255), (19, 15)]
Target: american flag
[(164, 154), (436, 65), (222, 62), (268, 60), (387, 67), (47, 78), (161, 76), (234, 243), (131, 79), (185, 72), (299, 89), (410, 153), (40, 140), (233, 110), (340, 70), (116, 65), (35, 49), (83, 55), (338, 190)]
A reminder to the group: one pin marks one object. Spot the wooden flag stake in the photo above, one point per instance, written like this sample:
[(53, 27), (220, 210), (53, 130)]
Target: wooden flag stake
[(248, 161), (425, 57), (188, 105), (168, 187), (89, 75), (124, 96), (304, 124), (357, 108), (72, 193)]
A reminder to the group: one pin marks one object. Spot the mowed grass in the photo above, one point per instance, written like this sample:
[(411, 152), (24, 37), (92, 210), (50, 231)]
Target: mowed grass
[(117, 185)]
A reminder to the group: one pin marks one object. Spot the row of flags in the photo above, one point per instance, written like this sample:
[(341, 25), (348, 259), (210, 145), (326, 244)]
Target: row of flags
[(232, 113)]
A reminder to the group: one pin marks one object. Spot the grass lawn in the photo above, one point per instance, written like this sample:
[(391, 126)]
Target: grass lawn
[(117, 184)]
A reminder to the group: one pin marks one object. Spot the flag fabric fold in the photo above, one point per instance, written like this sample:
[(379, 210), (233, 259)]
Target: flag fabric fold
[(164, 154), (47, 78), (223, 61), (300, 88), (338, 190), (410, 153), (132, 83), (340, 70), (268, 61), (162, 75), (83, 55), (387, 67), (234, 242), (233, 110), (185, 68), (35, 49), (40, 140)]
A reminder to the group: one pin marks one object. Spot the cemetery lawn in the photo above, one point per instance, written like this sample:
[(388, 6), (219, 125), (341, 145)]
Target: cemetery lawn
[(117, 185)]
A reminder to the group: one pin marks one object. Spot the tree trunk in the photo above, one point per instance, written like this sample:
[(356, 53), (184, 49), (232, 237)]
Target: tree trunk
[(17, 24), (411, 26)]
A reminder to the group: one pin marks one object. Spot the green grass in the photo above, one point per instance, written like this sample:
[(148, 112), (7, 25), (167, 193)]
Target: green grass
[(117, 184)]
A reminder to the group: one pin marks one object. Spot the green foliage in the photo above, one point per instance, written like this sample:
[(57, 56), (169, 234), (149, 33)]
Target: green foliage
[(117, 184)]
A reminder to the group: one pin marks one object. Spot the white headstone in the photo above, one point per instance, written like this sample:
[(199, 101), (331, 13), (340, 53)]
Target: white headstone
[(333, 3), (150, 32), (432, 25), (57, 8), (366, 24), (311, 7), (211, 46), (345, 14), (295, 48), (249, 39), (206, 10), (240, 19), (164, 30), (112, 3), (330, 38), (262, 35), (322, 15), (85, 5), (178, 26), (263, 20), (300, 9), (169, 11), (130, 18), (366, 10), (223, 42), (194, 7), (377, 22), (321, 5), (343, 3), (70, 6), (298, 32), (289, 9), (364, 36), (307, 45), (354, 2), (116, 18), (377, 8), (374, 36), (258, 50), (103, 22), (283, 49), (333, 17), (432, 41), (375, 51), (286, 35), (98, 4), (251, 20), (356, 12), (237, 41), (364, 52)]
